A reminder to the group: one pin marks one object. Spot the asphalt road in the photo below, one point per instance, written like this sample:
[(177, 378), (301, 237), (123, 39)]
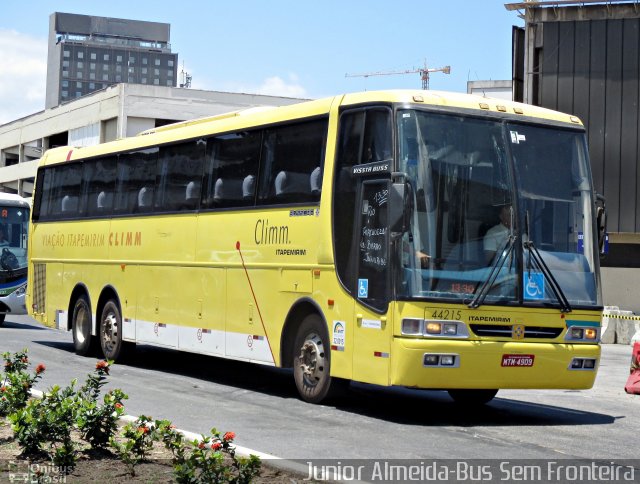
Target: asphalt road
[(260, 404)]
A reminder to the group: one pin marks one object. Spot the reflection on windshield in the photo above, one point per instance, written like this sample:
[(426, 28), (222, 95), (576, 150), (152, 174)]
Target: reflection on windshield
[(465, 211)]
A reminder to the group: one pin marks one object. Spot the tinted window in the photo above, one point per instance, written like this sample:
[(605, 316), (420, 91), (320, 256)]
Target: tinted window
[(291, 167), (232, 169), (136, 182), (99, 179), (61, 192), (180, 176)]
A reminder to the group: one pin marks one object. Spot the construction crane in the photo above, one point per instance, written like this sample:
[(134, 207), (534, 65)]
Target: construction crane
[(423, 71)]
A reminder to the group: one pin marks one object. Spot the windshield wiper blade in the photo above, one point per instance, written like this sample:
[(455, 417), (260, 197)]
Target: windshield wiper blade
[(496, 267), (565, 306)]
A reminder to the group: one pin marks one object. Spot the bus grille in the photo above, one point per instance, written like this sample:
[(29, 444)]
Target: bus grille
[(504, 331), (39, 286)]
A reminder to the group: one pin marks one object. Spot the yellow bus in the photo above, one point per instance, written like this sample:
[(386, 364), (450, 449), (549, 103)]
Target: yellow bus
[(411, 238)]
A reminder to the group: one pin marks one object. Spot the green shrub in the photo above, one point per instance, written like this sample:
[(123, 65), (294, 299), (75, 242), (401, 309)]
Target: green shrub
[(211, 459), (16, 384), (99, 422), (137, 440)]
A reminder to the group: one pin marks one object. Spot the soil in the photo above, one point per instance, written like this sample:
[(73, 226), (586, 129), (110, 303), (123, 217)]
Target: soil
[(92, 467)]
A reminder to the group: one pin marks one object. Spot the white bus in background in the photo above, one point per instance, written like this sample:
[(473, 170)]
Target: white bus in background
[(14, 232)]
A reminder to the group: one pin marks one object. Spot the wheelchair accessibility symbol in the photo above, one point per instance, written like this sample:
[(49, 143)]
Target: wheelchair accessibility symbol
[(363, 288), (534, 286)]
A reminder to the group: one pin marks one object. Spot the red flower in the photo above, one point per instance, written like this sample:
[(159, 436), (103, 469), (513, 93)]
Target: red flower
[(118, 406), (229, 436), (40, 368), (25, 359), (201, 445), (3, 389), (103, 365), (143, 429), (216, 446)]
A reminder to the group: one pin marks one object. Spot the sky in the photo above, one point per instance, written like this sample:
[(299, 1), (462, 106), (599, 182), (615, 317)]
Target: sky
[(292, 48)]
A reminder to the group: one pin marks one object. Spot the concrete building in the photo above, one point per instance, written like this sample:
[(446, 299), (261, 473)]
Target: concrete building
[(89, 53), (115, 112), (494, 89), (583, 58)]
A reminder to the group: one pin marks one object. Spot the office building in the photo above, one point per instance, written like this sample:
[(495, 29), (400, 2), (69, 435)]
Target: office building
[(88, 53)]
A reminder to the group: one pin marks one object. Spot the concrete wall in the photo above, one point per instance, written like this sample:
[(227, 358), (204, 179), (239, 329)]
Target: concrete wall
[(621, 287)]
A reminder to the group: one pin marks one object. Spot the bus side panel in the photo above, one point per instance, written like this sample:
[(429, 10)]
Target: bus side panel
[(339, 318), (246, 337), (204, 296)]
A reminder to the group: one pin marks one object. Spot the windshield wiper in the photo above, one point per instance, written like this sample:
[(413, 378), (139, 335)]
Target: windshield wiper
[(496, 267), (534, 254)]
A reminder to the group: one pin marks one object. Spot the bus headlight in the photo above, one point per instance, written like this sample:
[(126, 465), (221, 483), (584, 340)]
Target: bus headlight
[(450, 329), (588, 364), (434, 328), (583, 333), (412, 327), (21, 290)]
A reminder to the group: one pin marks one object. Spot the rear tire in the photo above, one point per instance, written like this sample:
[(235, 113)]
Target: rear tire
[(83, 341), (312, 362), (111, 342), (472, 397), (2, 316)]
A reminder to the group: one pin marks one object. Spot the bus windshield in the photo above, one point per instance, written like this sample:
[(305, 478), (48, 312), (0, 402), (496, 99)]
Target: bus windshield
[(13, 238), (501, 212)]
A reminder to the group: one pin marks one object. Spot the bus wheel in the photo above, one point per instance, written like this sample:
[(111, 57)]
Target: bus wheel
[(111, 332), (311, 361), (83, 342), (472, 397)]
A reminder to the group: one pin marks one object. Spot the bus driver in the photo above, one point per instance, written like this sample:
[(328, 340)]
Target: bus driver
[(497, 235)]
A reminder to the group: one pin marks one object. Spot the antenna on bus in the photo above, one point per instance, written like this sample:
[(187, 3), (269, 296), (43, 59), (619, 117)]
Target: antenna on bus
[(186, 78)]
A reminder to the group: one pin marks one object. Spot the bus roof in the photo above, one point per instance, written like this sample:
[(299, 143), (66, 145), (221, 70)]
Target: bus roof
[(13, 200), (254, 117)]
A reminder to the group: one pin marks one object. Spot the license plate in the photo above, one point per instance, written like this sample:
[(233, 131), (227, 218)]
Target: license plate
[(517, 360)]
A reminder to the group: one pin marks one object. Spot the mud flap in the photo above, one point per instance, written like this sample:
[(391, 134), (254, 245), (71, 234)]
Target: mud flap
[(633, 382)]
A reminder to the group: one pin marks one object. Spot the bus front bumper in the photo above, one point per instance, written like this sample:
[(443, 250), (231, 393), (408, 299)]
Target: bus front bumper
[(15, 303), (491, 364)]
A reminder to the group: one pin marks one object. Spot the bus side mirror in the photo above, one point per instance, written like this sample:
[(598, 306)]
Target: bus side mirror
[(601, 220), (399, 208)]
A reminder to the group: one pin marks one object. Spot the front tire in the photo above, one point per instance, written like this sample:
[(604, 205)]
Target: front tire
[(113, 347), (2, 316), (472, 397), (83, 341), (312, 361)]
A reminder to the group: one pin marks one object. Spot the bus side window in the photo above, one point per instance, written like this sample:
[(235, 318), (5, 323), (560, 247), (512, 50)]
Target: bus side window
[(179, 177), (290, 155), (99, 184), (66, 190), (136, 170), (231, 166)]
